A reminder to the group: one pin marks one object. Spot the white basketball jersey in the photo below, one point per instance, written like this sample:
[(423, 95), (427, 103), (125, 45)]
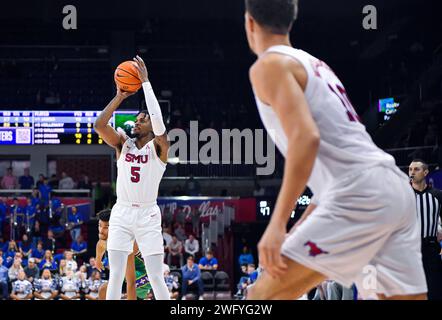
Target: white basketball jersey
[(139, 173), (345, 146)]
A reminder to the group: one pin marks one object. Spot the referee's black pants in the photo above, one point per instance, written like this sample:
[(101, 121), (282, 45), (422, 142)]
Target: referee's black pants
[(433, 268)]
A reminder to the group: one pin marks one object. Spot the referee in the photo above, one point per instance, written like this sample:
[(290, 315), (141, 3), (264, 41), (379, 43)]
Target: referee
[(429, 204)]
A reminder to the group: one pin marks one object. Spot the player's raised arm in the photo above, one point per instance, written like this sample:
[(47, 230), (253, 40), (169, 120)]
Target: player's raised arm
[(101, 125), (153, 107), (275, 84)]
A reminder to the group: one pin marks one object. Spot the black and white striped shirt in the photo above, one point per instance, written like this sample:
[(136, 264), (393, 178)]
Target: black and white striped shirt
[(429, 206)]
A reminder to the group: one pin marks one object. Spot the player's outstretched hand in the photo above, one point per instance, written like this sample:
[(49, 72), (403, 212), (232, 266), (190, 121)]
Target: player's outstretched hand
[(141, 68), (269, 249), (124, 94)]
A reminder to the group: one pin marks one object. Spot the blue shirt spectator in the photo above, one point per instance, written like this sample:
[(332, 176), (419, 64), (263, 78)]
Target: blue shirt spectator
[(26, 181), (191, 273), (79, 246), (30, 212), (51, 265), (208, 262), (16, 212), (45, 191), (246, 257), (74, 223), (38, 252), (35, 197)]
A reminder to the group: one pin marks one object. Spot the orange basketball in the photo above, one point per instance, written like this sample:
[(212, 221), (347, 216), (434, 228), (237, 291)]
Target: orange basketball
[(126, 77)]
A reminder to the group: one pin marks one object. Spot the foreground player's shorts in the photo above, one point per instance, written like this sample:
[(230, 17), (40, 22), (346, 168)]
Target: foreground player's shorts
[(140, 222), (366, 219)]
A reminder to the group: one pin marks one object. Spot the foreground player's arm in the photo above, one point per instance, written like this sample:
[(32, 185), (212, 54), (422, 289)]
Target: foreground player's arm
[(99, 253), (275, 85), (130, 275), (102, 127), (154, 109)]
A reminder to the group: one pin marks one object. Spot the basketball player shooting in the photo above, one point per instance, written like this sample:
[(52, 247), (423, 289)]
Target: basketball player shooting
[(363, 209), (141, 162)]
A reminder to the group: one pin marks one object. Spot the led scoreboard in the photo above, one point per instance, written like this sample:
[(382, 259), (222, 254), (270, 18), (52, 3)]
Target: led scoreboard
[(65, 127), (48, 127)]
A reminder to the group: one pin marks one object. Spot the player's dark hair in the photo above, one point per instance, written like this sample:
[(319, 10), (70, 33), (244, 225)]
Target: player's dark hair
[(424, 164), (143, 112), (104, 215), (276, 16)]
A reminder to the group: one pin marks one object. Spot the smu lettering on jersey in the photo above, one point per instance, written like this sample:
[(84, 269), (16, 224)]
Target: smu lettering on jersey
[(345, 146), (139, 173)]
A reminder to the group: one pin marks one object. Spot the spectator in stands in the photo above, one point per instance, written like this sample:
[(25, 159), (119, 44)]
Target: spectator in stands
[(38, 253), (66, 182), (172, 284), (79, 248), (191, 246), (71, 264), (30, 212), (191, 279), (53, 181), (3, 210), (166, 235), (93, 285), (62, 268), (192, 187), (3, 280), (208, 262), (180, 217), (81, 276), (3, 244), (48, 262), (45, 287), (15, 269), (9, 181), (91, 266), (16, 216), (45, 192), (40, 180), (84, 183), (51, 243), (175, 249), (180, 233), (26, 181), (35, 197), (247, 280), (69, 287), (246, 257), (31, 270), (9, 254), (75, 221), (25, 246), (21, 288)]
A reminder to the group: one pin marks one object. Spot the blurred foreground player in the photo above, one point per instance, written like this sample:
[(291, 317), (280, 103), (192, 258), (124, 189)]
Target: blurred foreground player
[(137, 282), (363, 210), (141, 162)]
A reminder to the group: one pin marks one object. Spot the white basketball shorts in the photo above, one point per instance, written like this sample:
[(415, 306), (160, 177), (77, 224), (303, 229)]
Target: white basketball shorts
[(365, 220), (140, 222)]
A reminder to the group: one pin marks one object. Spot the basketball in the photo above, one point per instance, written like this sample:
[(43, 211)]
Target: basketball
[(126, 77)]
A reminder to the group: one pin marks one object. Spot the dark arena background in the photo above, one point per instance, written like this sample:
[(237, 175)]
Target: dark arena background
[(57, 63)]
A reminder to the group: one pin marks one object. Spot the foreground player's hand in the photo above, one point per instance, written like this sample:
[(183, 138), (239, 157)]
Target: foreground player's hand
[(141, 68), (269, 249)]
